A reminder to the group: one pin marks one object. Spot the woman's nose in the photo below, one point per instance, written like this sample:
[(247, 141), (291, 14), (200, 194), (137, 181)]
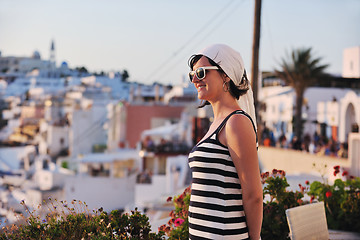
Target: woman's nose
[(195, 79)]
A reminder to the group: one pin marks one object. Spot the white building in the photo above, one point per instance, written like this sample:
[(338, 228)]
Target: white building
[(280, 103), (181, 94), (342, 116), (351, 62), (104, 179), (17, 158), (115, 125), (34, 65)]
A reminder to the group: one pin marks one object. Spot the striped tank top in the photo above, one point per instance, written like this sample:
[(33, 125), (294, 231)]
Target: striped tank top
[(216, 209)]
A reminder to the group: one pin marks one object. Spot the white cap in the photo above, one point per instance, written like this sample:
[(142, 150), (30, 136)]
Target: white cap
[(228, 59)]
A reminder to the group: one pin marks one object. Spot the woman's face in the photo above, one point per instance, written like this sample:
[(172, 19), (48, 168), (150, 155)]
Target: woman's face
[(211, 86)]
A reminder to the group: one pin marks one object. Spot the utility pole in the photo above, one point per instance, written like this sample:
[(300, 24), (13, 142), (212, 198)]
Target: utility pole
[(255, 54)]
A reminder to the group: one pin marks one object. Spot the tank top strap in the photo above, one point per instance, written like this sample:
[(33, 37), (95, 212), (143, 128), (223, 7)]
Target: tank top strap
[(227, 118), (224, 122)]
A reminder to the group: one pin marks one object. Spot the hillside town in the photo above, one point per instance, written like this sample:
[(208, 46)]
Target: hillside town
[(70, 134)]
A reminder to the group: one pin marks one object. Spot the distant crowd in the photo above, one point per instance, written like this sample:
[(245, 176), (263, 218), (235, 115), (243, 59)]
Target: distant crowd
[(315, 144), (164, 146)]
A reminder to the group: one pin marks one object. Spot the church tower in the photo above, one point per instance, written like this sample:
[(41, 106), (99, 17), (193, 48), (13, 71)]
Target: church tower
[(52, 52), (52, 59)]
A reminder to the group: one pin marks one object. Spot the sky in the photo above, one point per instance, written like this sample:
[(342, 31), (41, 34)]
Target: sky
[(153, 39)]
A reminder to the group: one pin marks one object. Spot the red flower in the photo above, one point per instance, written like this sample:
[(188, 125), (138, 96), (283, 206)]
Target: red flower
[(264, 175), (282, 173), (328, 194), (171, 221), (162, 228), (169, 199), (312, 199), (178, 222), (336, 167), (274, 171), (345, 173), (172, 214), (307, 182)]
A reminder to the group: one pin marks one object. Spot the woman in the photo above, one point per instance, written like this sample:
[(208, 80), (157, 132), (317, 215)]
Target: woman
[(226, 193)]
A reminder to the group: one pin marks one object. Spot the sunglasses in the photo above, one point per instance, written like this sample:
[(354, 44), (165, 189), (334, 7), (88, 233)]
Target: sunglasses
[(200, 72)]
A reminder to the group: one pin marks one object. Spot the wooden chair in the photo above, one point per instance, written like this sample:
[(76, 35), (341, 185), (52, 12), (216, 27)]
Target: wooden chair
[(308, 222)]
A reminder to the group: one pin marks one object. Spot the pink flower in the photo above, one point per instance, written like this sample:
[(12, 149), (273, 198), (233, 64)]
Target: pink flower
[(178, 222)]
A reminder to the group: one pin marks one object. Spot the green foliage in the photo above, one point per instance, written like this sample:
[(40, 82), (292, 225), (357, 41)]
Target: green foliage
[(99, 148), (178, 226), (342, 201), (274, 224), (65, 165), (125, 76), (75, 221)]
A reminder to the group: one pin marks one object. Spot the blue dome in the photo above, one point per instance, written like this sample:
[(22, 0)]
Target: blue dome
[(36, 55)]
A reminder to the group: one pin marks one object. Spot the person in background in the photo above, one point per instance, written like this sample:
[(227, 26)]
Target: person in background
[(226, 193)]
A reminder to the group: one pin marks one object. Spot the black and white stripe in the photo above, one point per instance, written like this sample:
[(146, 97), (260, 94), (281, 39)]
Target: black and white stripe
[(216, 208)]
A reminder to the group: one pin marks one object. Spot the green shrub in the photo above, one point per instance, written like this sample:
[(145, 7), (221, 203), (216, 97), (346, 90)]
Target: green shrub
[(274, 224), (342, 201), (75, 221)]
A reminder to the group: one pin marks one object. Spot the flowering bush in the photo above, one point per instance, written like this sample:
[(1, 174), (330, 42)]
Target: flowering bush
[(342, 204), (277, 200), (274, 222), (178, 226), (75, 221), (342, 200)]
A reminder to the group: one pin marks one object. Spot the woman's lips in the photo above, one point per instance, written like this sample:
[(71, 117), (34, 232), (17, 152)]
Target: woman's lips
[(199, 88)]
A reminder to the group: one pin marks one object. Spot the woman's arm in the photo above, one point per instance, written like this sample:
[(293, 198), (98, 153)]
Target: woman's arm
[(241, 141)]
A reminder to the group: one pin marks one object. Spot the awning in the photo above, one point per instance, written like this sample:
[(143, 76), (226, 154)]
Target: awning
[(168, 130)]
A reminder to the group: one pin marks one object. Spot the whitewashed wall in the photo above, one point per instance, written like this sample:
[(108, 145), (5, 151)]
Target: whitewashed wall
[(109, 193)]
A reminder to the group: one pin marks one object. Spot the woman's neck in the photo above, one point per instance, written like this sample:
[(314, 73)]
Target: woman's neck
[(221, 109)]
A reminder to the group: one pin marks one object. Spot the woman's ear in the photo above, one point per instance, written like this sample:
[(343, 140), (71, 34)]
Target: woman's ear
[(227, 79)]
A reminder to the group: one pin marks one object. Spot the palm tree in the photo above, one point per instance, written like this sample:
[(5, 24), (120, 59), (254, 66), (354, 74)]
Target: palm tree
[(300, 70)]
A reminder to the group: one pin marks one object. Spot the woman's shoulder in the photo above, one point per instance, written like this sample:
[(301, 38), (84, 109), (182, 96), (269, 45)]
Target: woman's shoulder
[(239, 119), (240, 125)]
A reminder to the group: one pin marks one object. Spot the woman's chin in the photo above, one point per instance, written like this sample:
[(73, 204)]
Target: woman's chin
[(201, 96)]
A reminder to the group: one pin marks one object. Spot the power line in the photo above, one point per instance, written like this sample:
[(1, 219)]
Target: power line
[(211, 31), (193, 46), (198, 33)]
